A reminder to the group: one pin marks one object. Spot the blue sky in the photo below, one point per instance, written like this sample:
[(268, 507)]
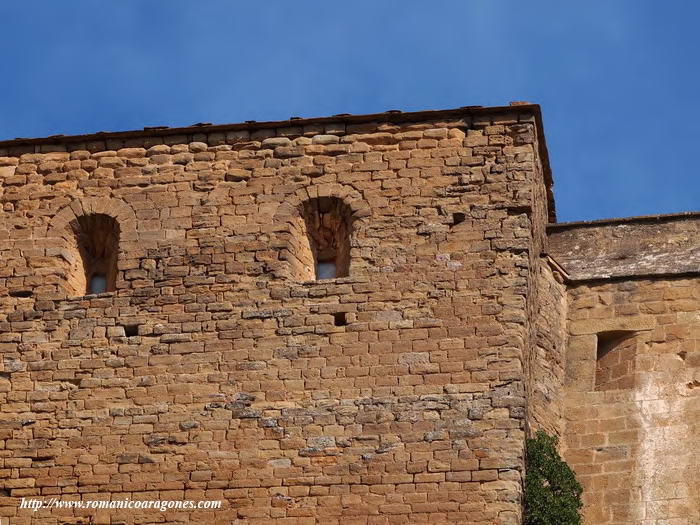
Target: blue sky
[(618, 81)]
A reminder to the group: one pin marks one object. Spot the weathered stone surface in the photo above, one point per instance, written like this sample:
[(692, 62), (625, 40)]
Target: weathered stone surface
[(220, 368), (644, 246)]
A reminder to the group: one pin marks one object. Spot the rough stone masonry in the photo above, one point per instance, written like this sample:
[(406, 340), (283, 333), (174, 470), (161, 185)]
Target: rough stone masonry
[(165, 333)]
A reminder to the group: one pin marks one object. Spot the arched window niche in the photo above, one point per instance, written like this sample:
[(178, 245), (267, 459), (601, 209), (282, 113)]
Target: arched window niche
[(93, 254), (320, 242)]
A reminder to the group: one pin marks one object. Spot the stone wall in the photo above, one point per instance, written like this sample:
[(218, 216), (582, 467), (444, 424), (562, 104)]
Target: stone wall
[(219, 370), (401, 391), (548, 352)]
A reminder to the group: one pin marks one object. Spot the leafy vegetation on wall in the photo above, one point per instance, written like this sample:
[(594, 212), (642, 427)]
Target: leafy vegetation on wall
[(552, 493)]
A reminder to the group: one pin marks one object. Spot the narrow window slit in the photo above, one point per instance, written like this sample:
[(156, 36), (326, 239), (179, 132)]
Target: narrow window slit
[(326, 270), (98, 283), (21, 293)]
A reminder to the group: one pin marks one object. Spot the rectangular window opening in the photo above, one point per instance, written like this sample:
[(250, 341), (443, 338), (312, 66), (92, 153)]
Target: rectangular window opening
[(131, 330), (21, 293)]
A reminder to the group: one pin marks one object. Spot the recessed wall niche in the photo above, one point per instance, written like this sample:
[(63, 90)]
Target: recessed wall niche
[(615, 355)]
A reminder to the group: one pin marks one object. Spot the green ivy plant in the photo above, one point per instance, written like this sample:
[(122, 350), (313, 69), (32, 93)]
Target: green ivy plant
[(552, 493)]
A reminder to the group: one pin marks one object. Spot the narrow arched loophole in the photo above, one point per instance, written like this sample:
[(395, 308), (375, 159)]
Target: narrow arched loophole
[(320, 242), (95, 250)]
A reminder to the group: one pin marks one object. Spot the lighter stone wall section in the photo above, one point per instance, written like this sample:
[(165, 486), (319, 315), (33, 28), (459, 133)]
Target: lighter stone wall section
[(635, 448)]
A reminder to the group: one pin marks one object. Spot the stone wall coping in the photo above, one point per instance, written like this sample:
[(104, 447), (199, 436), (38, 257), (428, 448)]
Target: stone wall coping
[(668, 217)]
